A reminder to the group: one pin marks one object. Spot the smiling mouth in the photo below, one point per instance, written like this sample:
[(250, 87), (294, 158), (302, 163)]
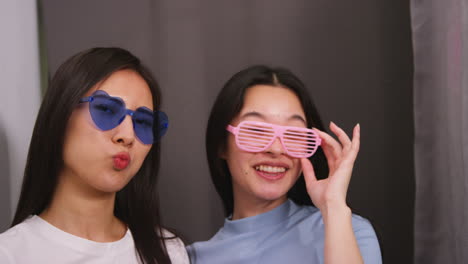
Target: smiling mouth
[(270, 169)]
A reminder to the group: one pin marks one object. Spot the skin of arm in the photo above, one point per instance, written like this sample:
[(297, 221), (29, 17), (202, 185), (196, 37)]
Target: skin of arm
[(329, 195)]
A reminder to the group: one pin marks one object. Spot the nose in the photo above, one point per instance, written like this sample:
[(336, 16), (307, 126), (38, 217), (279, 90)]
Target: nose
[(124, 133), (276, 147)]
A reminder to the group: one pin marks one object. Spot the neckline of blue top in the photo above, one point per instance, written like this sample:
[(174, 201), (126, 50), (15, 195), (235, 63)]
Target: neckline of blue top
[(255, 223)]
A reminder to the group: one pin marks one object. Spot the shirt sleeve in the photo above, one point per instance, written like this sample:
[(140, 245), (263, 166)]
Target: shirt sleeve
[(367, 240), (176, 249)]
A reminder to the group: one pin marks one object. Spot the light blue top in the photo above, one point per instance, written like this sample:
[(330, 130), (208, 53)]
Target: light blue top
[(290, 234)]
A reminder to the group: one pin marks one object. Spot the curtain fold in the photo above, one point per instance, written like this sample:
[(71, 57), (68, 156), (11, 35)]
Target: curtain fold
[(19, 97), (441, 144)]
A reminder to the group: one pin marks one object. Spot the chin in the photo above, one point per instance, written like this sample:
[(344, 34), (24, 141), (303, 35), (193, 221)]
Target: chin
[(113, 184), (274, 191), (272, 194), (110, 188)]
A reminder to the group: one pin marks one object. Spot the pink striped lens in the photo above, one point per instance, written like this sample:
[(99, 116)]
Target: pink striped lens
[(255, 136)]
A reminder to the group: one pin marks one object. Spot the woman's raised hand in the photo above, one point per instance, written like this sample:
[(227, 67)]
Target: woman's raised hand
[(331, 192)]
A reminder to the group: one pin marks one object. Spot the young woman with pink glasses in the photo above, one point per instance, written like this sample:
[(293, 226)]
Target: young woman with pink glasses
[(269, 158)]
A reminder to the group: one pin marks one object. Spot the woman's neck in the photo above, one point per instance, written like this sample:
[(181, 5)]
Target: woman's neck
[(84, 213), (247, 206)]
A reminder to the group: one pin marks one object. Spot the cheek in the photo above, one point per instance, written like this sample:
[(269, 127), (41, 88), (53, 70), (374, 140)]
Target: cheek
[(83, 142), (80, 127), (140, 154), (240, 168), (296, 169), (296, 163)]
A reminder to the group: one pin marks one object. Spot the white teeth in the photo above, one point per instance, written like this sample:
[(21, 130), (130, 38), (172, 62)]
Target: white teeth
[(270, 169)]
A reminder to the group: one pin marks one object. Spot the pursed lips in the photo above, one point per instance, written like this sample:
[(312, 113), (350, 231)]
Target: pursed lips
[(121, 160)]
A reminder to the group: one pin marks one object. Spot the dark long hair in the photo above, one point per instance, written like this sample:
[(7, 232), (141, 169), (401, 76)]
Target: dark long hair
[(137, 204), (227, 106)]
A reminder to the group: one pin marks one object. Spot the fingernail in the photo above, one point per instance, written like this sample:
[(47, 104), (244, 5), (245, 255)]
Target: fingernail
[(359, 127)]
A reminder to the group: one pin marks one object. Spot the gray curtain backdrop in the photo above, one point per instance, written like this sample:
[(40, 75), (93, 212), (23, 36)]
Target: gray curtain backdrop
[(440, 39), (354, 56), (19, 97)]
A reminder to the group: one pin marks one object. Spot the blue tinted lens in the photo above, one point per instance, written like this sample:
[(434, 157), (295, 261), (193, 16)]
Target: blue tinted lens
[(163, 124), (143, 120), (106, 112)]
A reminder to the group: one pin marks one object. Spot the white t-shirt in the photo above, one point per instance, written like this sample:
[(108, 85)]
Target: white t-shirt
[(36, 241)]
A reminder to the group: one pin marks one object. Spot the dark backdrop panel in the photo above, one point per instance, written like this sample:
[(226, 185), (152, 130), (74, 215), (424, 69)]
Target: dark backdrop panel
[(5, 184), (355, 57)]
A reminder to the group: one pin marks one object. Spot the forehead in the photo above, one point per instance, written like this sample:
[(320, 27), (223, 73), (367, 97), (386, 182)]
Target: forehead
[(274, 104), (129, 86)]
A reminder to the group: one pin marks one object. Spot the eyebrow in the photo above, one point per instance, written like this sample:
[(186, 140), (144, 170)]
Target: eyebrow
[(116, 99), (259, 115)]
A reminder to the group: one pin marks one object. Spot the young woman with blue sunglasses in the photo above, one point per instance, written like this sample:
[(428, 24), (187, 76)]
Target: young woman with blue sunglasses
[(89, 190), (261, 147)]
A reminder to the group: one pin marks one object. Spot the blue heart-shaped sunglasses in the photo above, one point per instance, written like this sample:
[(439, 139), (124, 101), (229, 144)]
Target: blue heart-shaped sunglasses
[(108, 112)]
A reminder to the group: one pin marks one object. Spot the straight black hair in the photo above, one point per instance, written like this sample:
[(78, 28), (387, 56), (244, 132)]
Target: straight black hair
[(227, 106), (137, 204)]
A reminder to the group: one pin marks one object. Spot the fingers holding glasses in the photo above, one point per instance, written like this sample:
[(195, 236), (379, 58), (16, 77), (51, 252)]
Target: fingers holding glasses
[(342, 150), (331, 148), (356, 142), (350, 147), (342, 137), (308, 171)]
